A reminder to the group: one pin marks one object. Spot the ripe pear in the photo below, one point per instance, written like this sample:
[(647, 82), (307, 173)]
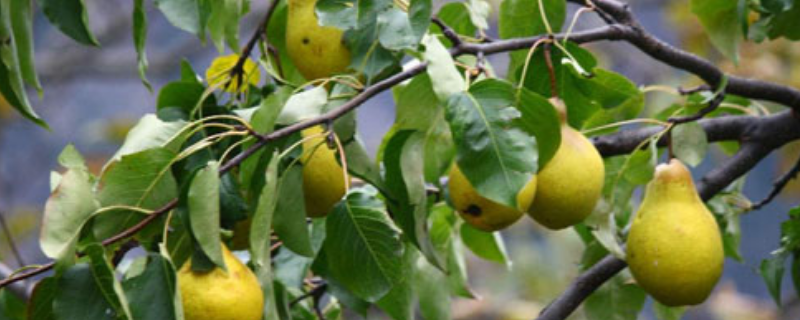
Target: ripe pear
[(221, 295), (316, 51), (571, 183), (323, 177), (674, 247), (483, 213)]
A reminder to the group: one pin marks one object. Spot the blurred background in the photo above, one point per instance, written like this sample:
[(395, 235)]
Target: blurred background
[(93, 96)]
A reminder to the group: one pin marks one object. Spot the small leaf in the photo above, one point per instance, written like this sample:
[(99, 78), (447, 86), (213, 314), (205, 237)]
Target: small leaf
[(367, 246), (487, 245), (151, 132), (71, 18), (667, 313), (689, 142), (140, 40), (771, 271), (184, 14), (70, 205), (203, 200)]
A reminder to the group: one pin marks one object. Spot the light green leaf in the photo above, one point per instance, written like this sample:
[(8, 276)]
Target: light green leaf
[(487, 245), (663, 312), (442, 70), (720, 18), (772, 270), (204, 212), (303, 106), (479, 13), (70, 205), (22, 26), (689, 142), (141, 179), (184, 14), (431, 287), (151, 132)]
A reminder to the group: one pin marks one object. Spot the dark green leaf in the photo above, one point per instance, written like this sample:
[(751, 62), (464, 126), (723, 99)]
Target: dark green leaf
[(106, 280), (78, 297), (539, 119), (456, 16), (12, 72), (431, 286), (203, 200), (367, 247), (184, 14), (71, 18), (152, 293), (399, 302), (523, 18), (11, 306), (22, 26), (40, 306)]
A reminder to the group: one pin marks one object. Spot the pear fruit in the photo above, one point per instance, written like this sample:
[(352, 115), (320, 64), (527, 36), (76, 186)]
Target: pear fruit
[(323, 177), (674, 247), (571, 183), (221, 295), (483, 213), (316, 51)]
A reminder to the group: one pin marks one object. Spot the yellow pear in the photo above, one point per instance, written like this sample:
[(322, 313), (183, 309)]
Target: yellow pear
[(674, 247), (571, 182), (221, 295), (483, 213), (316, 51), (323, 177)]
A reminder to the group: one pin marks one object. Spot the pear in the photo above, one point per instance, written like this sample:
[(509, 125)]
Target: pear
[(221, 295), (323, 177), (316, 51), (483, 213), (571, 183), (674, 247)]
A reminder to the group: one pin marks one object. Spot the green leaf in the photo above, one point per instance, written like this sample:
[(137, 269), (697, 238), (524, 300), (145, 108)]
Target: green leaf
[(11, 306), (405, 180), (360, 164), (140, 40), (796, 272), (70, 205), (290, 213), (40, 306), (399, 302), (184, 14), (496, 159), (341, 14), (152, 293), (71, 18), (203, 200), (12, 77), (641, 167), (456, 16), (262, 218), (419, 12), (523, 18), (368, 56), (22, 26), (771, 270), (431, 286), (689, 142), (367, 246), (784, 24), (540, 120), (720, 18), (141, 179), (223, 23), (151, 132), (479, 13), (303, 106), (78, 297), (487, 245), (106, 281), (615, 300), (442, 71), (663, 312), (292, 268), (395, 31)]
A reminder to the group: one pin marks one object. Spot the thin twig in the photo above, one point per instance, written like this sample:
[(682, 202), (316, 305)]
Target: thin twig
[(237, 72), (712, 105), (317, 291), (10, 238), (696, 89), (447, 31), (779, 185)]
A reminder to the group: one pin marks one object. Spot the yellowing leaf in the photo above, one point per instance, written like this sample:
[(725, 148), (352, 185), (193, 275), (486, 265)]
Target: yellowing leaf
[(219, 73)]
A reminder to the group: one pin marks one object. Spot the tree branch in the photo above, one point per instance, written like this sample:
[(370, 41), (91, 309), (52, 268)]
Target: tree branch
[(779, 185), (20, 289), (759, 137)]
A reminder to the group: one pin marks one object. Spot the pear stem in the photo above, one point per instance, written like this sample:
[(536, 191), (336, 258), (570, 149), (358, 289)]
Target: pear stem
[(550, 70)]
